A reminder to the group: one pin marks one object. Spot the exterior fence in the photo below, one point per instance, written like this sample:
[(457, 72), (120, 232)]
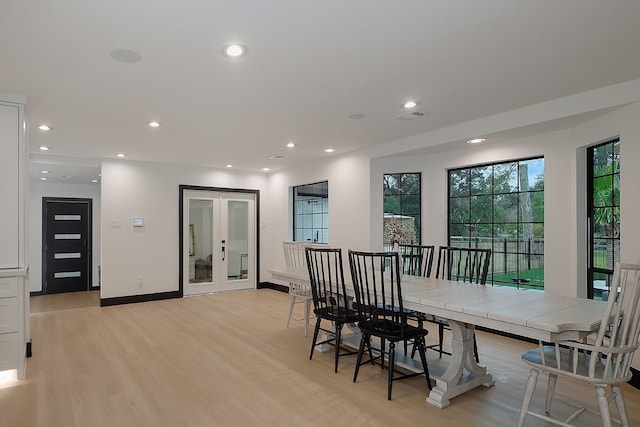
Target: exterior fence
[(514, 262)]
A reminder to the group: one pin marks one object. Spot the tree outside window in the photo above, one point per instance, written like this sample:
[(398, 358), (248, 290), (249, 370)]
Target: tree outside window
[(402, 202)]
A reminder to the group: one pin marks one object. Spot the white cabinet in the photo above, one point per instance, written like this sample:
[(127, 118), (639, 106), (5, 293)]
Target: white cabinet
[(9, 184), (14, 293)]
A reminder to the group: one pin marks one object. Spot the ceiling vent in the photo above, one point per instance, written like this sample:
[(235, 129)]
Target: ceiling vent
[(410, 116)]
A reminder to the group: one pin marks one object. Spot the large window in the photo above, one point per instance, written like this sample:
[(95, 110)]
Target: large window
[(603, 183), (401, 198), (501, 206), (311, 212)]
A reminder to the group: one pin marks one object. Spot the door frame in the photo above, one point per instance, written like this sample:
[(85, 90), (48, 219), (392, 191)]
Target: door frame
[(89, 203), (181, 233)]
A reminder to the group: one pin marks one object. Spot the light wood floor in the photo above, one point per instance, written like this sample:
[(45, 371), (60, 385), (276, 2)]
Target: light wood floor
[(229, 360)]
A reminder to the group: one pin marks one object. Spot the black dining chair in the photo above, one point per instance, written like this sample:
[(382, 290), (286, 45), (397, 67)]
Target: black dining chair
[(469, 265), (330, 301), (416, 260), (381, 314)]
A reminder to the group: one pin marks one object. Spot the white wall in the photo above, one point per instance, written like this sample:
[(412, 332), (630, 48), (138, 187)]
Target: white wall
[(38, 190), (348, 177), (136, 189)]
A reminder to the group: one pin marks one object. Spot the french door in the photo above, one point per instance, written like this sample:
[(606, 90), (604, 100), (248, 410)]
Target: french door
[(219, 241)]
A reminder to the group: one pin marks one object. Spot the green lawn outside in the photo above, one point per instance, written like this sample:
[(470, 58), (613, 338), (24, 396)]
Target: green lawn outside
[(529, 279)]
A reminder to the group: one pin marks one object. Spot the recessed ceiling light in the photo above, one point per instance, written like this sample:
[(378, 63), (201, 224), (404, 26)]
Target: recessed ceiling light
[(44, 127), (154, 124), (410, 104), (234, 50), (44, 178), (229, 165), (329, 150), (121, 155), (356, 116), (44, 148), (265, 169), (94, 180), (128, 56), (291, 144), (44, 171), (476, 140)]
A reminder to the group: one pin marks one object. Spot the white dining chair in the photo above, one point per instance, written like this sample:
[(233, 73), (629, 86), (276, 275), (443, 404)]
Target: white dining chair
[(294, 256), (603, 359)]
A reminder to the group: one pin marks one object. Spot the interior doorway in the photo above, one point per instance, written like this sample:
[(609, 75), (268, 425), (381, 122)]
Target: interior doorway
[(66, 245), (219, 240)]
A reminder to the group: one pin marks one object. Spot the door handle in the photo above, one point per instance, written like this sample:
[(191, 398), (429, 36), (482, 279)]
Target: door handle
[(223, 254)]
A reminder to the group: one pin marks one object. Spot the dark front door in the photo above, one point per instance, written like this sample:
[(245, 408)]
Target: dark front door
[(67, 245)]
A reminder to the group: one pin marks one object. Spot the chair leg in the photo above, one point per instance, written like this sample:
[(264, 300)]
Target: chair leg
[(307, 305), (363, 340), (603, 406), (315, 337), (551, 390), (440, 338), (338, 328), (528, 394), (622, 409), (293, 302), (423, 357), (392, 359)]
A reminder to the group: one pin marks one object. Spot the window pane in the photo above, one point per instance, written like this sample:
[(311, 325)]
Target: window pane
[(532, 172), (505, 178), (459, 183), (601, 250), (311, 210), (481, 180), (458, 230), (481, 209), (401, 204), (505, 207), (459, 210), (505, 213)]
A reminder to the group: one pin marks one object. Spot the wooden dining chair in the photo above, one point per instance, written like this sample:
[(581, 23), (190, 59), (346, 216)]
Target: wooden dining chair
[(602, 359), (378, 291), (330, 301), (294, 256), (469, 265)]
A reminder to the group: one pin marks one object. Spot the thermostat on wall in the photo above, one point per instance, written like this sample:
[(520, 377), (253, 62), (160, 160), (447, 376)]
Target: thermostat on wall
[(138, 222)]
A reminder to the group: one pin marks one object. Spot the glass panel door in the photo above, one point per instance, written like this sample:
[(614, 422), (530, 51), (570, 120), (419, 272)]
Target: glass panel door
[(219, 241), (238, 213), (603, 183)]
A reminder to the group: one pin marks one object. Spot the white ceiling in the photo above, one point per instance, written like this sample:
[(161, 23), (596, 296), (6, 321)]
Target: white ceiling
[(310, 66)]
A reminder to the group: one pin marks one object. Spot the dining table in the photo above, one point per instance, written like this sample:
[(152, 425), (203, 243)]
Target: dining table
[(526, 313)]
